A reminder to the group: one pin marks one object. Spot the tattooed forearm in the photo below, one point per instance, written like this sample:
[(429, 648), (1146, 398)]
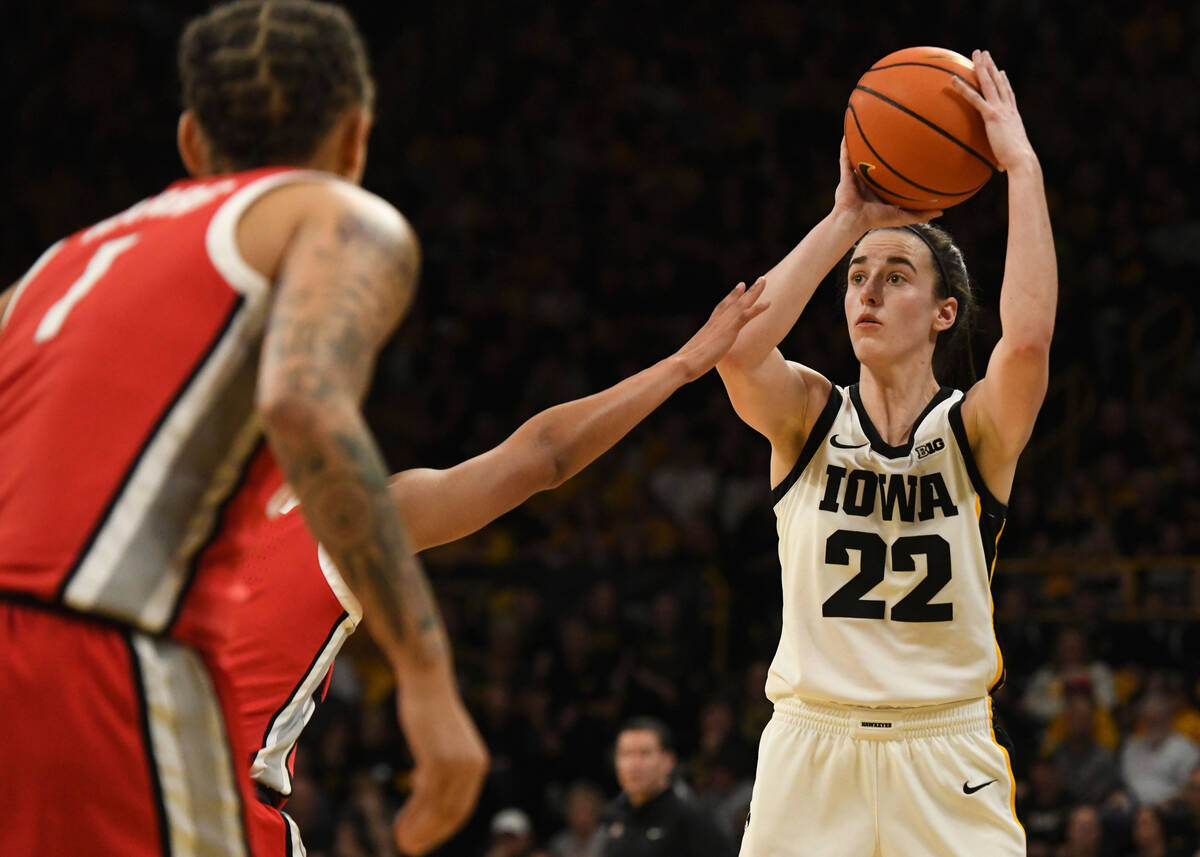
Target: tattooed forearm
[(344, 496)]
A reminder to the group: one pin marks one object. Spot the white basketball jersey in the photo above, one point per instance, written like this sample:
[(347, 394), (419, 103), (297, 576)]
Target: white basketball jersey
[(887, 554)]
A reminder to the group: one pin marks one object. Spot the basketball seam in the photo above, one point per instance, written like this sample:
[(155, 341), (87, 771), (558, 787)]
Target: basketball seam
[(924, 65), (883, 161), (925, 121)]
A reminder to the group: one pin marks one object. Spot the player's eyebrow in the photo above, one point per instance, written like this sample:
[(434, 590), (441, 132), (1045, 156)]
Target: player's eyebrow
[(891, 260)]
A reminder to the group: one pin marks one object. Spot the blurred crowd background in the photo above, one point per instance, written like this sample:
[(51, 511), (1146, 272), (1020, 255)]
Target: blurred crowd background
[(588, 179)]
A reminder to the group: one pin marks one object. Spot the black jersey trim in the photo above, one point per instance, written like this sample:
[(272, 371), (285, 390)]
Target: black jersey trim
[(24, 599), (117, 494), (160, 806), (878, 444), (294, 695), (990, 504), (287, 833), (815, 438)]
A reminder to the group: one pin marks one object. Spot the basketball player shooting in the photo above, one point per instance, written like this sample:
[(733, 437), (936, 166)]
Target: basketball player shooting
[(890, 497)]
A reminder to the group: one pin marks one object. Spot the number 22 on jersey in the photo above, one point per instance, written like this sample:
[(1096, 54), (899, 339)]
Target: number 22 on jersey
[(849, 601)]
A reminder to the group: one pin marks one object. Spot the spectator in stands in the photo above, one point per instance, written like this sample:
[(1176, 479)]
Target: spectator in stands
[(1149, 836), (1085, 834), (1157, 761), (1045, 694), (1183, 815), (583, 835), (1086, 770), (650, 818), (1043, 809), (512, 835)]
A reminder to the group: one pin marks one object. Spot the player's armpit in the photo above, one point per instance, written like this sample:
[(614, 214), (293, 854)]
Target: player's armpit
[(780, 400), (999, 412)]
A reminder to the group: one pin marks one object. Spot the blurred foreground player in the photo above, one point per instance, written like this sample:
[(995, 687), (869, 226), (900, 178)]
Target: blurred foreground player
[(300, 612), (141, 361)]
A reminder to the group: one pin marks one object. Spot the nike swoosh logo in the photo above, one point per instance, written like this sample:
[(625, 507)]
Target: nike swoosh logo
[(970, 790), (833, 440)]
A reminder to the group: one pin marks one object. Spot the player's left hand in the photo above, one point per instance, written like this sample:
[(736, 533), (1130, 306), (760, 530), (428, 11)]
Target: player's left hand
[(998, 106), (712, 341)]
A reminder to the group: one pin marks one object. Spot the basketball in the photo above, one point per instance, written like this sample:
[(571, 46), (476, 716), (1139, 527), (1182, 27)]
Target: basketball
[(912, 139)]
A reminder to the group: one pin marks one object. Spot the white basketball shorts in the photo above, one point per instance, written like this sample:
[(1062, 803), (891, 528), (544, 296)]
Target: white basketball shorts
[(836, 781)]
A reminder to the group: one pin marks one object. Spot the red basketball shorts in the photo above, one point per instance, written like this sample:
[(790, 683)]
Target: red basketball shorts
[(113, 743)]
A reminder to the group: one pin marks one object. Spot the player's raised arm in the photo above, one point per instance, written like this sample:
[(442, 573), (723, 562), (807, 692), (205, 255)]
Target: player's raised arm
[(768, 392), (345, 279), (440, 506), (1000, 410)]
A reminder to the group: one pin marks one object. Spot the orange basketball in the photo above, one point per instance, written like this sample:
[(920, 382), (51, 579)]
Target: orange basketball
[(912, 139)]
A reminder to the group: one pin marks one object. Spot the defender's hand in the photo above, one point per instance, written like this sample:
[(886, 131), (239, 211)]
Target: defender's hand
[(451, 760), (711, 342)]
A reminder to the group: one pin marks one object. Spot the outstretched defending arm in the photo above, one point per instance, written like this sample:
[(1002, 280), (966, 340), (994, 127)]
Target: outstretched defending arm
[(440, 506), (1001, 408)]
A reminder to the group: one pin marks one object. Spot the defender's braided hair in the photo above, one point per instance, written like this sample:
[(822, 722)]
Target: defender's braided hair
[(953, 357), (268, 79)]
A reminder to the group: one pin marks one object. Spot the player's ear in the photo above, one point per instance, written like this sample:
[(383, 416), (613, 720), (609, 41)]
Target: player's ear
[(946, 313), (193, 145)]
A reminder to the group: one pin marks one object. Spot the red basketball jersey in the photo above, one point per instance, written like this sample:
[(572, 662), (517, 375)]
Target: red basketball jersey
[(128, 360), (297, 614)]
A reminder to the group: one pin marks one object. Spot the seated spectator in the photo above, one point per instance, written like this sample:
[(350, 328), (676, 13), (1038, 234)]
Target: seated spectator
[(725, 792), (1085, 834), (1183, 816), (1157, 762), (583, 836), (1103, 726), (1149, 837), (512, 835), (1043, 809), (1046, 691), (1086, 770), (718, 738)]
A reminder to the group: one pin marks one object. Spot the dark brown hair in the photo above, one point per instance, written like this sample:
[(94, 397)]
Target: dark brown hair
[(953, 357), (268, 79)]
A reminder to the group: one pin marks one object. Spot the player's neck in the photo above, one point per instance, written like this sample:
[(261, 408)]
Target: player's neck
[(894, 400)]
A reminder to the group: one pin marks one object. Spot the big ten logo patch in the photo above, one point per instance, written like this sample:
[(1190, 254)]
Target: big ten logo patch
[(935, 445)]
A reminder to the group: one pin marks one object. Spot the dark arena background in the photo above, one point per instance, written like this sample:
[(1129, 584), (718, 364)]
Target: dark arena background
[(588, 179)]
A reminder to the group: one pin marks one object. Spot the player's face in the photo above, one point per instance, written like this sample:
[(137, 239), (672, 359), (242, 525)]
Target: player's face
[(643, 766), (891, 309)]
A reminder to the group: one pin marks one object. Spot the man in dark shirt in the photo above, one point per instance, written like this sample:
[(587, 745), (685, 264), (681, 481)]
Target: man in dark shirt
[(650, 819)]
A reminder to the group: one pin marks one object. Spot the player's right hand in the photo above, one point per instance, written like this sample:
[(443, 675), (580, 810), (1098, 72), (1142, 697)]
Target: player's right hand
[(854, 199), (450, 757)]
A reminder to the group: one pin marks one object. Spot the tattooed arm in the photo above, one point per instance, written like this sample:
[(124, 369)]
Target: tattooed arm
[(345, 279), (345, 267)]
